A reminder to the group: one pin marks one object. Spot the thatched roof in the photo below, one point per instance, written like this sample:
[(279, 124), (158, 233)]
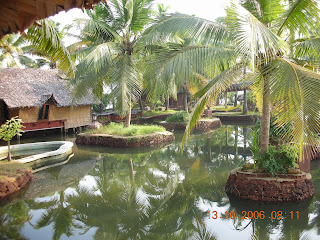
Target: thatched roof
[(33, 87), (18, 15)]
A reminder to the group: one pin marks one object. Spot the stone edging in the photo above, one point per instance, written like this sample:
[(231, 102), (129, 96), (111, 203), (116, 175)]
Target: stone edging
[(123, 141), (14, 184), (237, 118), (202, 125), (262, 187)]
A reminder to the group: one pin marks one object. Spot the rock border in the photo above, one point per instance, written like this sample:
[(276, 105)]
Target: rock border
[(152, 139), (263, 187), (202, 125), (14, 184)]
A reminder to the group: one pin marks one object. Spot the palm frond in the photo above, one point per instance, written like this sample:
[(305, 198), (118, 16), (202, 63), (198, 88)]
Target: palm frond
[(47, 40), (185, 26), (296, 103), (127, 82), (253, 39), (300, 17), (307, 50)]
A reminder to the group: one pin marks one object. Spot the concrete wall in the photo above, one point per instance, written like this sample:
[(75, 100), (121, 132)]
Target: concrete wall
[(75, 117)]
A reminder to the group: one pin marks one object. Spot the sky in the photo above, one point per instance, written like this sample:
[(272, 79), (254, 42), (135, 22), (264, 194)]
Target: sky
[(208, 9)]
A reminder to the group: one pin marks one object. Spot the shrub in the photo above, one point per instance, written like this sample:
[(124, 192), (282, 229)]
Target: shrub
[(178, 117), (278, 159)]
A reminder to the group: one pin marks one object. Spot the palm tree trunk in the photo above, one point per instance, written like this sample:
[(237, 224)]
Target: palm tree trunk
[(185, 99), (167, 103), (128, 116), (265, 118), (141, 104), (9, 151)]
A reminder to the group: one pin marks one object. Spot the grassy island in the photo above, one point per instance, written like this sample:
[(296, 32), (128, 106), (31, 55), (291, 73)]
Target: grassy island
[(119, 130)]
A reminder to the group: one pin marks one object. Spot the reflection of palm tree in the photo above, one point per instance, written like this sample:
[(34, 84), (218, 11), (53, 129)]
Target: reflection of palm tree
[(58, 213), (12, 218)]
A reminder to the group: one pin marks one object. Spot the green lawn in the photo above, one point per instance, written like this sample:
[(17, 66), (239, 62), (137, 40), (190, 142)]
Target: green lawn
[(10, 169), (133, 130)]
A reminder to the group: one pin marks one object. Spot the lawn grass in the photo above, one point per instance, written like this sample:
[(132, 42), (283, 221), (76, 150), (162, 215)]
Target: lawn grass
[(155, 113), (133, 130), (10, 169)]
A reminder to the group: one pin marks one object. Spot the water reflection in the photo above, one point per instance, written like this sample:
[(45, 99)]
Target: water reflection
[(151, 194)]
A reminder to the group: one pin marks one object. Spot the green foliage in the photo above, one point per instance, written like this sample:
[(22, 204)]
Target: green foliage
[(11, 128), (278, 159), (178, 117), (133, 130)]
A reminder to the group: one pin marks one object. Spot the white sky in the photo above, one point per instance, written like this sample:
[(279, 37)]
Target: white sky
[(208, 9)]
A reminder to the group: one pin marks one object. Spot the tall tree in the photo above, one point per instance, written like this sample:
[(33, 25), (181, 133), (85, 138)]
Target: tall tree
[(108, 51)]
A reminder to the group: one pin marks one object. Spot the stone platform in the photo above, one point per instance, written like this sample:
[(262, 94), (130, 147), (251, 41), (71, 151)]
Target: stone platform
[(263, 187)]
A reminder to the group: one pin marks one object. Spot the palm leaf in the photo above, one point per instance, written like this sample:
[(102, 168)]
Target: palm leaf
[(184, 26), (294, 95), (253, 39), (300, 17), (47, 40)]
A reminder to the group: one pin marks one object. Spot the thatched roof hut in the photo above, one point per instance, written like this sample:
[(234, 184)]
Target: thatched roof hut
[(32, 87), (18, 15), (41, 96)]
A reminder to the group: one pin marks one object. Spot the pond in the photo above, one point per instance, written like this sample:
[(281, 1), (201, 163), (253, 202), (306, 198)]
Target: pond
[(104, 193)]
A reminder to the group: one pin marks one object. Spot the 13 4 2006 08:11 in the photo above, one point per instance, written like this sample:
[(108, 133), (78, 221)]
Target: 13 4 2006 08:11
[(254, 215)]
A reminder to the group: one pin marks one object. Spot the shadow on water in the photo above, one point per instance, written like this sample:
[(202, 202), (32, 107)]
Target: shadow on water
[(105, 193)]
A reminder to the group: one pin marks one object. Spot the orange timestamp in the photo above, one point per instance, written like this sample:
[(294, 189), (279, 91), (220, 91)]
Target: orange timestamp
[(254, 215)]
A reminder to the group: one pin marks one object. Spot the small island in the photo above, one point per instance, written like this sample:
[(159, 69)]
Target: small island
[(115, 135)]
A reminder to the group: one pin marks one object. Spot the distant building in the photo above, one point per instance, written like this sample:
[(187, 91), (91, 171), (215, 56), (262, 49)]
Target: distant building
[(41, 99)]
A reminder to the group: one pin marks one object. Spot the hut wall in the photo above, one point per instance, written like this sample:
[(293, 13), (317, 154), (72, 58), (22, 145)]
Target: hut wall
[(13, 112), (75, 117), (29, 114)]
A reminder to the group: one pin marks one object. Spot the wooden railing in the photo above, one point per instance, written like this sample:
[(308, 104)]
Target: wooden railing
[(43, 125)]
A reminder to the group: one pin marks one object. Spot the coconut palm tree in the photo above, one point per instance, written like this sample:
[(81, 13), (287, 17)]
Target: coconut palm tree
[(44, 40), (278, 41), (9, 48), (108, 51)]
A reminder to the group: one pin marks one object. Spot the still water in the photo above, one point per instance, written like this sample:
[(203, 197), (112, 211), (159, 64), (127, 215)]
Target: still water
[(104, 193)]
